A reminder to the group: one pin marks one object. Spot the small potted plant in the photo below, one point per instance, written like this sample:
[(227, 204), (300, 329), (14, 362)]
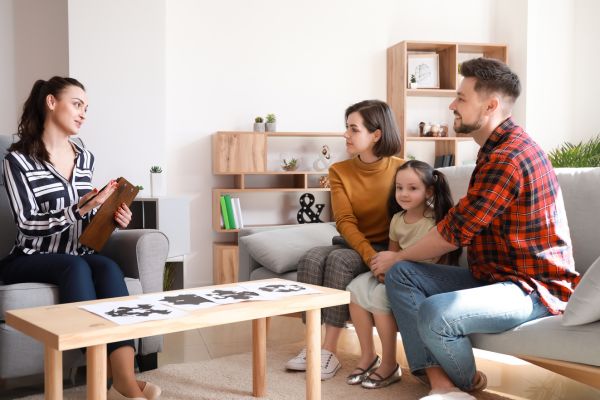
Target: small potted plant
[(259, 124), (157, 183), (413, 82), (271, 123), (289, 165)]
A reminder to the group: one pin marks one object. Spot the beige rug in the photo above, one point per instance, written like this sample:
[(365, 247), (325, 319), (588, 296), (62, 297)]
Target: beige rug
[(231, 378)]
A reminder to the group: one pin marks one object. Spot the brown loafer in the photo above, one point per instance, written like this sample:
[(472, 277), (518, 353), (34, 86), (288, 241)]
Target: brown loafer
[(376, 381), (355, 379)]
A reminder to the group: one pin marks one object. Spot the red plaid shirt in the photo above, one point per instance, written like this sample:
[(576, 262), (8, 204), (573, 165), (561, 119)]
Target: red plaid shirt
[(513, 219)]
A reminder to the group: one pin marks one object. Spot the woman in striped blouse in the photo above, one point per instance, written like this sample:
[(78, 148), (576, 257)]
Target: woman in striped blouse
[(48, 180)]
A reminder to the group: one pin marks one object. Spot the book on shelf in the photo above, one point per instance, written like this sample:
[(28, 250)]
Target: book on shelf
[(229, 207), (224, 213), (237, 212), (444, 160)]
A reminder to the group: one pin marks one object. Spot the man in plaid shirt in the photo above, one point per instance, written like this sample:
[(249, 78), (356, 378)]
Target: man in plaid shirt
[(514, 225)]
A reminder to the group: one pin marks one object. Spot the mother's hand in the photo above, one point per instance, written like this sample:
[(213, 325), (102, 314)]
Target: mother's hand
[(123, 215), (382, 262)]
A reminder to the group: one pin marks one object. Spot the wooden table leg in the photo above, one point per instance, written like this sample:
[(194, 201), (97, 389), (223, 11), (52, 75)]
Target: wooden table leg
[(313, 354), (53, 374), (259, 357), (96, 372)]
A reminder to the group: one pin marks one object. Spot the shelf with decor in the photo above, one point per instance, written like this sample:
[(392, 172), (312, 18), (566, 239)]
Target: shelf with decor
[(436, 65), (268, 195)]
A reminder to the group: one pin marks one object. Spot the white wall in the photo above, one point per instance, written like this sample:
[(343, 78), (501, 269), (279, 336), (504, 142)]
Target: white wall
[(550, 60), (33, 45), (585, 76), (304, 61), (117, 50), (515, 35)]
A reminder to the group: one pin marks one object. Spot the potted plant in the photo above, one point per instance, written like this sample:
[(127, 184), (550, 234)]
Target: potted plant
[(157, 183), (413, 82), (581, 155), (271, 123), (259, 124), (289, 165)]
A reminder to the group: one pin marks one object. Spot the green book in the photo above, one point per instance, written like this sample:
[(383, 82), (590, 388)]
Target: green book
[(230, 216), (224, 214)]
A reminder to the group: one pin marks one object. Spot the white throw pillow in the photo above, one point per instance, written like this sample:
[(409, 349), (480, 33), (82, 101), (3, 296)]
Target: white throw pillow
[(279, 250), (584, 305)]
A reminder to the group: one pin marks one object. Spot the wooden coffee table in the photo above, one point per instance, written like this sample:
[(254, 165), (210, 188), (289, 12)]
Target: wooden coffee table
[(66, 326)]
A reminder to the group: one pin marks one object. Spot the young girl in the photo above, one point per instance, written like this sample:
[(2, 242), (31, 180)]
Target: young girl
[(419, 199)]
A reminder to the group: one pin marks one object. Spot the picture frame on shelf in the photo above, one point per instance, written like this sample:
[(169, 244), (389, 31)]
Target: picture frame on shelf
[(425, 67)]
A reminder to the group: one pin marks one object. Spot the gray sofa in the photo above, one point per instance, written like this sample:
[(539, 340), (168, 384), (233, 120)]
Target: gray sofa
[(140, 253), (573, 351)]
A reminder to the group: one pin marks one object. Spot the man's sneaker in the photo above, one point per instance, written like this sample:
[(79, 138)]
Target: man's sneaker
[(297, 363), (329, 364), (453, 395)]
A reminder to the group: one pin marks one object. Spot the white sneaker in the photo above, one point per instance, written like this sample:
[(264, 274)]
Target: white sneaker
[(454, 395), (329, 364), (297, 363)]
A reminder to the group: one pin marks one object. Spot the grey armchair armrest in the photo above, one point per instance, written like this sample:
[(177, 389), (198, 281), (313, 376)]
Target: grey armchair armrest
[(141, 254)]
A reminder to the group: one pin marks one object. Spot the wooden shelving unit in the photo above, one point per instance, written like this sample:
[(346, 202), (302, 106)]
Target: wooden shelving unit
[(449, 55), (244, 155)]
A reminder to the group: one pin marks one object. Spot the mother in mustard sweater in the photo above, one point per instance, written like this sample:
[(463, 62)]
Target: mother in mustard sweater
[(359, 192)]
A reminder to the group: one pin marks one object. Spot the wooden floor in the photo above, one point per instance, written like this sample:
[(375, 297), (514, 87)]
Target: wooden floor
[(508, 376)]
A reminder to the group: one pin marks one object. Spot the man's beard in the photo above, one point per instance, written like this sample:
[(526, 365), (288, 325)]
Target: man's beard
[(467, 128)]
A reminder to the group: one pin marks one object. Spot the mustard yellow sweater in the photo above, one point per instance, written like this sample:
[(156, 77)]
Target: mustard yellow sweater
[(359, 194)]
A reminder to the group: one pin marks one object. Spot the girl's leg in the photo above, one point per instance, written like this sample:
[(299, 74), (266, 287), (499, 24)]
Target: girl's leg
[(386, 329), (363, 324)]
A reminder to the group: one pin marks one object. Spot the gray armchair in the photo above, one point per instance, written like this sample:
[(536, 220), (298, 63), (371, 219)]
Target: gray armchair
[(141, 253)]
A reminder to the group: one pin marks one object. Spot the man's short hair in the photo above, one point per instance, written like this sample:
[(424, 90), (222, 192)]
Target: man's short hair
[(492, 75)]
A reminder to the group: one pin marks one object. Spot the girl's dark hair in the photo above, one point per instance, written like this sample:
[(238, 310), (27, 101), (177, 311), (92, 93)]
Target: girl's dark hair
[(31, 125), (376, 114), (441, 200)]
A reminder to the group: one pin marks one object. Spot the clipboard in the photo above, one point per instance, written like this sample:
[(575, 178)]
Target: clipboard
[(96, 234)]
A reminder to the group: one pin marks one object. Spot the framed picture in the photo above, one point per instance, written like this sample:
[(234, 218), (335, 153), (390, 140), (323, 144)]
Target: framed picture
[(425, 68)]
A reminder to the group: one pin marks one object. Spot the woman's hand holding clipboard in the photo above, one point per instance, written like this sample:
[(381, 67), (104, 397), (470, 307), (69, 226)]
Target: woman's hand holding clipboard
[(110, 198)]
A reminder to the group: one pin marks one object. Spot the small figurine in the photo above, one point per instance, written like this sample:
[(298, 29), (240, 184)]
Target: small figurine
[(324, 182), (444, 130), (421, 128), (324, 160)]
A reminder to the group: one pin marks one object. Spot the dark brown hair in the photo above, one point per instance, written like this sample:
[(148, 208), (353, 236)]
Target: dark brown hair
[(31, 125), (441, 201), (376, 114), (492, 76)]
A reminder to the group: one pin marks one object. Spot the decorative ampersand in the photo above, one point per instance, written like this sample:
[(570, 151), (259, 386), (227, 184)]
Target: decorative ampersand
[(306, 202)]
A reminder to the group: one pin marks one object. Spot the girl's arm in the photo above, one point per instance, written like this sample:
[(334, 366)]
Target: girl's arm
[(394, 246)]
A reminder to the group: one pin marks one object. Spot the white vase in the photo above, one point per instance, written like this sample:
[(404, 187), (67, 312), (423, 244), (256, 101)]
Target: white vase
[(259, 127), (157, 185), (271, 126)]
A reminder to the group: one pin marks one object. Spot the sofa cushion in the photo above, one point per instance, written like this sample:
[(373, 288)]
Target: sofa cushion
[(280, 250), (583, 306), (545, 337)]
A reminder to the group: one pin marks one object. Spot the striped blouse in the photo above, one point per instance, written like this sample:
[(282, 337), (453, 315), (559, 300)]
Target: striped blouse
[(44, 203)]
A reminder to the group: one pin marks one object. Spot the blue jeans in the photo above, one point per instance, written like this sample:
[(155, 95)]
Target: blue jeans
[(437, 306), (78, 278)]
